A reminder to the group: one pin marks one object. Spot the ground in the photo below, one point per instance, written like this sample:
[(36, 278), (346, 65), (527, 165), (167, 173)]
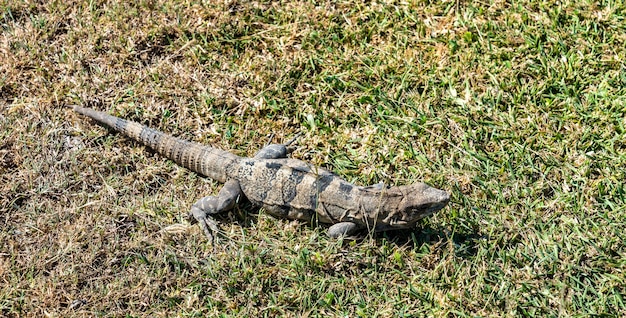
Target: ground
[(515, 108)]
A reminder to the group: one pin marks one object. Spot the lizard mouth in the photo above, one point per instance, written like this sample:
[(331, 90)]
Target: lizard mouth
[(426, 210), (392, 226)]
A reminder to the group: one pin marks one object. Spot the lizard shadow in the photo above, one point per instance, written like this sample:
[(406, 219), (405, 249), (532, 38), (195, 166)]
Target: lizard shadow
[(465, 243)]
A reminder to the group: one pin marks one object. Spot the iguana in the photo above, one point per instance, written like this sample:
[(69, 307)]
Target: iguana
[(286, 188)]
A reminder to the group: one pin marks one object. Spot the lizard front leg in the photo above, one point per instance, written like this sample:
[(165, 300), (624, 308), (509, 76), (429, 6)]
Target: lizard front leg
[(276, 151), (342, 229), (225, 200), (227, 197)]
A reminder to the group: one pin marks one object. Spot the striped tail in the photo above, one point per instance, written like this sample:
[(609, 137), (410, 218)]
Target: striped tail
[(211, 162)]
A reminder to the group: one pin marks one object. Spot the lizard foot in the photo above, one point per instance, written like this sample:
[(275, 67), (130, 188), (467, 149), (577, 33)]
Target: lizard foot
[(342, 229), (276, 151), (202, 210), (207, 223)]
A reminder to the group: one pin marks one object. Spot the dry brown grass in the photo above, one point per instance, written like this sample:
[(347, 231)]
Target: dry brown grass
[(518, 110)]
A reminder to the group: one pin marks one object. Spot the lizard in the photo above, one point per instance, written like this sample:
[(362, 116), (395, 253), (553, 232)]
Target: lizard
[(285, 187)]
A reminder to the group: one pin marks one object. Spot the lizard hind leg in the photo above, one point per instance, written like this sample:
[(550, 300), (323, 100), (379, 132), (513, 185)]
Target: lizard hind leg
[(225, 200)]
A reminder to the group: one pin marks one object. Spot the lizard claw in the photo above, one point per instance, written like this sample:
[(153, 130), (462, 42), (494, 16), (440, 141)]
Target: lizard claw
[(288, 143), (209, 227), (206, 223), (292, 140), (269, 139), (288, 146)]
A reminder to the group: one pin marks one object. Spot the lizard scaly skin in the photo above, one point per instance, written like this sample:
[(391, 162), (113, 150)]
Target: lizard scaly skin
[(286, 188)]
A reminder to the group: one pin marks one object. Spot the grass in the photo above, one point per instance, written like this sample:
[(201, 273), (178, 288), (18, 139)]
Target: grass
[(515, 108)]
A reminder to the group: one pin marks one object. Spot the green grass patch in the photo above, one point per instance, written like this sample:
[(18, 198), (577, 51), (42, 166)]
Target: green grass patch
[(517, 109)]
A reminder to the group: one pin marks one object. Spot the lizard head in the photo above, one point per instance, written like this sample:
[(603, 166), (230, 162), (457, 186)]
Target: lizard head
[(402, 206)]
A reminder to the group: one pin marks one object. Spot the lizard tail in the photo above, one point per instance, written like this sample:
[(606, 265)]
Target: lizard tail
[(208, 161), (128, 128)]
